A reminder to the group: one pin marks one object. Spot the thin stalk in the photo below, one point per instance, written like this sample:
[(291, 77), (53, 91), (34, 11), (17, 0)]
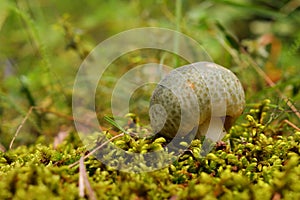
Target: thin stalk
[(97, 148), (43, 50), (178, 9)]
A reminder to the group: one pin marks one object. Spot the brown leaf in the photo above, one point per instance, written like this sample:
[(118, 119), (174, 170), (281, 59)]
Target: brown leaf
[(174, 197), (273, 72), (62, 134), (2, 148), (276, 196)]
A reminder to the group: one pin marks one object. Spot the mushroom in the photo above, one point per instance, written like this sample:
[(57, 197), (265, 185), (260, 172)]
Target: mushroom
[(192, 96)]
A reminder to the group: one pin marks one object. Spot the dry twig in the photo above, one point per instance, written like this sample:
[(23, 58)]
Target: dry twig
[(291, 124), (261, 73), (20, 126), (84, 182), (271, 83), (97, 148)]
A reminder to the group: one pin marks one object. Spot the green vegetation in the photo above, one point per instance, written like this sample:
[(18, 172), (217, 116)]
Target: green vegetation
[(43, 43), (260, 163)]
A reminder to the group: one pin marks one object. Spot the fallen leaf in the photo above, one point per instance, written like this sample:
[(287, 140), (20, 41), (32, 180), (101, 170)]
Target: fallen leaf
[(62, 134)]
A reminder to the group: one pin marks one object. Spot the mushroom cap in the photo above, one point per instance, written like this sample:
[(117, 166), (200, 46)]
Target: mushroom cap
[(189, 96)]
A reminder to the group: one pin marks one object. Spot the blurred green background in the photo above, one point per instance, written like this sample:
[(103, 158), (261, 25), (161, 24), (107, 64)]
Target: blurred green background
[(42, 44)]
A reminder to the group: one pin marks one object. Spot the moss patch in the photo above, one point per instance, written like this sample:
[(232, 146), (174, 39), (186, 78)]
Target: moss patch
[(259, 163)]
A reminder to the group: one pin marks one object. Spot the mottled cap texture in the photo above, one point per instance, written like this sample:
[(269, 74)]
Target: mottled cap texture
[(183, 100)]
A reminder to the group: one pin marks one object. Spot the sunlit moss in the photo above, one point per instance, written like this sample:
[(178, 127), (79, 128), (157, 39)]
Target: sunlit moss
[(255, 164)]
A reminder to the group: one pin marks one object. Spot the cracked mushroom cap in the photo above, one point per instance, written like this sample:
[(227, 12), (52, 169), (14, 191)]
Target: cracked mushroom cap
[(191, 95)]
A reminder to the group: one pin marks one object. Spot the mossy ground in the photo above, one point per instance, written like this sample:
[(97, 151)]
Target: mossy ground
[(42, 46), (259, 163)]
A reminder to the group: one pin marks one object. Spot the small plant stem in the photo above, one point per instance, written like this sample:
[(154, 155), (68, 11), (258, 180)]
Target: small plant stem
[(70, 118), (36, 39), (20, 126), (271, 83), (292, 125), (84, 182), (262, 74), (176, 38), (97, 148), (81, 178)]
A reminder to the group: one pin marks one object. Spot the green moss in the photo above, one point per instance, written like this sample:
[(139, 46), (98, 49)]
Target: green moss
[(259, 162)]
